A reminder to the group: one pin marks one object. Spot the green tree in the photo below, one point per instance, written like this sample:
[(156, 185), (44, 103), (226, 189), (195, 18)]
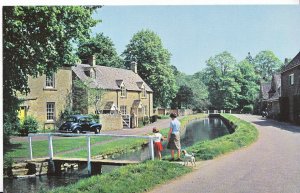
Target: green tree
[(86, 95), (184, 98), (200, 91), (266, 64), (223, 90), (103, 48), (199, 100), (37, 40), (248, 80), (154, 67)]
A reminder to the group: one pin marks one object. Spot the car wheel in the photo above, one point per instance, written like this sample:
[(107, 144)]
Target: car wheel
[(77, 131), (97, 130)]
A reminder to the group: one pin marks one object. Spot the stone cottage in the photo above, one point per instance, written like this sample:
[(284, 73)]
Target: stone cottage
[(125, 93), (290, 91)]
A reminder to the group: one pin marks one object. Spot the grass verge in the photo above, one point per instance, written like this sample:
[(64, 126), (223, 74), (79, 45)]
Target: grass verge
[(131, 178), (117, 146), (40, 148), (245, 134)]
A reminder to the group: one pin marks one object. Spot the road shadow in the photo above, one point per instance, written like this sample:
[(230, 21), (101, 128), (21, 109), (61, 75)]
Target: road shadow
[(280, 125)]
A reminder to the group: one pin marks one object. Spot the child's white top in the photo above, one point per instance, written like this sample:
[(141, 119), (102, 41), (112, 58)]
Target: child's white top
[(159, 137)]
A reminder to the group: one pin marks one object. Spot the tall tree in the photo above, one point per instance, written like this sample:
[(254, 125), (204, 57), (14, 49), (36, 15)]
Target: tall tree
[(184, 98), (200, 91), (103, 48), (37, 40), (199, 100), (223, 90), (266, 64), (154, 67), (248, 80)]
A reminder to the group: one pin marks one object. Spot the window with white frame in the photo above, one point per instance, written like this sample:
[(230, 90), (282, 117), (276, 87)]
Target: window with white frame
[(50, 81), (291, 79), (50, 111), (123, 91), (123, 109)]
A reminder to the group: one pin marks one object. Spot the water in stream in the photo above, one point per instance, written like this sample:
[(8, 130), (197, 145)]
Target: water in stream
[(198, 130)]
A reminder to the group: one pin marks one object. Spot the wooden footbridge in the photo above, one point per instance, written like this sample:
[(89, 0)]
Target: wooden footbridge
[(93, 165)]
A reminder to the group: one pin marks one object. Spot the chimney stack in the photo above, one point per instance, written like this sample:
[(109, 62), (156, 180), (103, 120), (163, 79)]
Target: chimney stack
[(92, 60), (133, 66)]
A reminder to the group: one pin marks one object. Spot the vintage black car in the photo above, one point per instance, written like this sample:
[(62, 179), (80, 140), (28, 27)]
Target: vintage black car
[(80, 124)]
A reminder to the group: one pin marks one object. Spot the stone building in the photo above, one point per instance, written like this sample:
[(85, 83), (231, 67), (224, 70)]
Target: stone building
[(125, 93), (290, 91), (48, 97), (273, 98), (264, 95)]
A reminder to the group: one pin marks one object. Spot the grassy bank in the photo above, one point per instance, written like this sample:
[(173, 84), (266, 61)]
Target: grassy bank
[(143, 177), (132, 178), (245, 134), (40, 148), (116, 146)]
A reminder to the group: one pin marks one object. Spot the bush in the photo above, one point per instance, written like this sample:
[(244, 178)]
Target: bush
[(248, 109), (11, 126), (146, 120), (29, 125), (7, 165), (154, 118)]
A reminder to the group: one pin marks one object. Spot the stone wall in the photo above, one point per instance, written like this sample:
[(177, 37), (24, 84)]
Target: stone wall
[(180, 112), (111, 122)]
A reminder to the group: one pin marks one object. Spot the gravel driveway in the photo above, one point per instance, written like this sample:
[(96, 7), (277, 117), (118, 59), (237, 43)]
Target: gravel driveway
[(270, 165)]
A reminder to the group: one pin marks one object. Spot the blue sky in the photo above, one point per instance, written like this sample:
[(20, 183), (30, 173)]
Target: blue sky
[(192, 34)]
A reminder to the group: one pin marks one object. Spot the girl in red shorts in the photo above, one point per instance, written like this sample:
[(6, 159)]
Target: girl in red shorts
[(157, 142)]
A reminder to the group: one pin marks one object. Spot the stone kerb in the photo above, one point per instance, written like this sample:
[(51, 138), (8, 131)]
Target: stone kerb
[(111, 122)]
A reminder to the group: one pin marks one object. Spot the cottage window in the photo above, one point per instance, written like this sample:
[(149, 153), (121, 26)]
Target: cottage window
[(144, 93), (291, 79), (123, 109), (50, 111), (123, 91), (145, 110), (50, 81)]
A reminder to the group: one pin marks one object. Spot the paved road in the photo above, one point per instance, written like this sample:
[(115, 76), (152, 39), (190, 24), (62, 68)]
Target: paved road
[(270, 165)]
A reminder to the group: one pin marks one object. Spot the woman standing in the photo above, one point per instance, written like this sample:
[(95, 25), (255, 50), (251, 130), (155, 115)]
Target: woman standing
[(174, 137)]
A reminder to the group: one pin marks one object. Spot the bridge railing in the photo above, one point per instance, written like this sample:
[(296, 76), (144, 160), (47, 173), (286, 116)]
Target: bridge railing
[(217, 111), (88, 142)]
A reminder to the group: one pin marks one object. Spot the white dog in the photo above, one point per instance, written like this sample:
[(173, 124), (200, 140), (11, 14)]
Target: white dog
[(188, 158)]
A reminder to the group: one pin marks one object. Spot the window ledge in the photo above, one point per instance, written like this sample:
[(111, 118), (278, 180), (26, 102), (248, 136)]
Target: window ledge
[(50, 122), (50, 89)]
